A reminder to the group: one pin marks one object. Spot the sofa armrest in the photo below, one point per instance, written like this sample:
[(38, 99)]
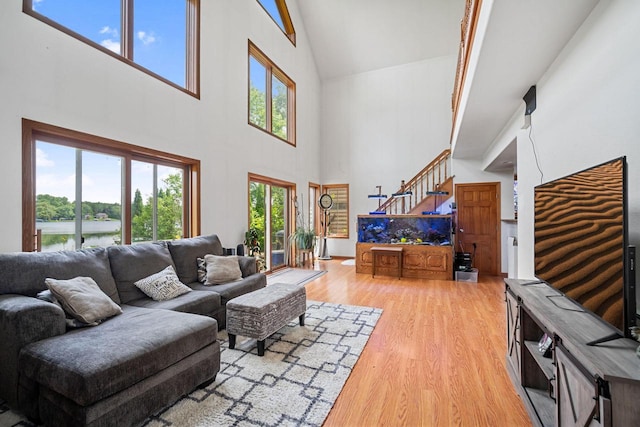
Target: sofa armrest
[(248, 265), (23, 320)]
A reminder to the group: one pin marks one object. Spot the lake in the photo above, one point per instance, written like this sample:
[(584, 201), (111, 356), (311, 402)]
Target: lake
[(60, 235)]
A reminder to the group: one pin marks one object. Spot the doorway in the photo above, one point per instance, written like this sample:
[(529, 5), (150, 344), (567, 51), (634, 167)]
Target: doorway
[(270, 216), (478, 225)]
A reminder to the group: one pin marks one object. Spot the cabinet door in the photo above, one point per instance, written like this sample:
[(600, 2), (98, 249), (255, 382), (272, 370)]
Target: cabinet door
[(513, 334), (577, 394)]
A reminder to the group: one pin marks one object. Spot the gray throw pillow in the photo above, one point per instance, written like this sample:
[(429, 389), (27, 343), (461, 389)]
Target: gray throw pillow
[(163, 285), (83, 299), (222, 269)]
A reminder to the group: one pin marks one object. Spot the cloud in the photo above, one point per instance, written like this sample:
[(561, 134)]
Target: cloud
[(146, 38), (41, 158), (112, 45), (113, 32)]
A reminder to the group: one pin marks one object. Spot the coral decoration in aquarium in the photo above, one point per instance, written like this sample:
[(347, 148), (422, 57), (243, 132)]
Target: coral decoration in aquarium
[(432, 230)]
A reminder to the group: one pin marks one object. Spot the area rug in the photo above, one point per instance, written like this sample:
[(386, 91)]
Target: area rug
[(294, 276), (295, 383)]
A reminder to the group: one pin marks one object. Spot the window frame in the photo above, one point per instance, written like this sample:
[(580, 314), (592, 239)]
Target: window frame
[(272, 70), (33, 131), (326, 188), (192, 52), (283, 11)]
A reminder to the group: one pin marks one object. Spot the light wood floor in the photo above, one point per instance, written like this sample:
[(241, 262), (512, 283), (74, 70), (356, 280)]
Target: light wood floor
[(435, 358)]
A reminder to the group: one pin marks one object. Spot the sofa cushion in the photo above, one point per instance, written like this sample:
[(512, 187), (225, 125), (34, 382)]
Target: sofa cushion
[(231, 290), (81, 298), (24, 272), (90, 364), (196, 302), (221, 269), (163, 285), (130, 263), (186, 251)]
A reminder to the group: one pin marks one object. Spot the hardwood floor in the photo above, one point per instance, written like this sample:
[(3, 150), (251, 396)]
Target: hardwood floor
[(435, 358)]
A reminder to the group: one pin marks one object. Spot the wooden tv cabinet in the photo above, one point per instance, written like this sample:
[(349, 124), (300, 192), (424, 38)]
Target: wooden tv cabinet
[(419, 261), (578, 384)]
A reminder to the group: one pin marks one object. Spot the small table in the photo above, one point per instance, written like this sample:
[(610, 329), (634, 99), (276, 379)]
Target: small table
[(377, 251)]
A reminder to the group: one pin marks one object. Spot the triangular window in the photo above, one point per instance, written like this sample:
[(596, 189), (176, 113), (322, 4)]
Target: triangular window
[(278, 11)]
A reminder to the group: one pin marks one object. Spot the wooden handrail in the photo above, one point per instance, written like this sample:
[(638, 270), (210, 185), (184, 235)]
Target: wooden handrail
[(468, 26), (428, 179)]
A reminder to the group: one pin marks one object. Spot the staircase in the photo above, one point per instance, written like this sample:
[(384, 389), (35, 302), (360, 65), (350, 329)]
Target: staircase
[(434, 178)]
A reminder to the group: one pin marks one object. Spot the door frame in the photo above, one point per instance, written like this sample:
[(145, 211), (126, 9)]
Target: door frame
[(498, 234), (290, 210)]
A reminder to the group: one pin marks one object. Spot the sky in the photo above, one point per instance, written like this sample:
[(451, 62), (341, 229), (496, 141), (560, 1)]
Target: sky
[(159, 29), (101, 177)]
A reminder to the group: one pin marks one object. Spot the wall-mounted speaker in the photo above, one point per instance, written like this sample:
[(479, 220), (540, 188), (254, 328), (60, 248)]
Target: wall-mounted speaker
[(530, 100)]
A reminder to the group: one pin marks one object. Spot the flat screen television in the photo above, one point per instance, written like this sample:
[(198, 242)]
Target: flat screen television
[(581, 242)]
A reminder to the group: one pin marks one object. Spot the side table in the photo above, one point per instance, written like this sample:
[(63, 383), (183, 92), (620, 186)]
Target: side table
[(395, 252)]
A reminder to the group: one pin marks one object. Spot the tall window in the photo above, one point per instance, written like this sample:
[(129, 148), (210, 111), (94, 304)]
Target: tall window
[(339, 213), (85, 191), (271, 97), (162, 41), (279, 12)]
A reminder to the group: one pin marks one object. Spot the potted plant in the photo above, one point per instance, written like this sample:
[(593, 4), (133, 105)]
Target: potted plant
[(251, 242)]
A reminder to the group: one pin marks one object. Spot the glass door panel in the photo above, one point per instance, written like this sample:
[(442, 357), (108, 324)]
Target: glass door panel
[(279, 235)]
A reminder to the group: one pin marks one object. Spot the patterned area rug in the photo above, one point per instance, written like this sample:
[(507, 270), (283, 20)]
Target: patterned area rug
[(295, 383), (294, 276)]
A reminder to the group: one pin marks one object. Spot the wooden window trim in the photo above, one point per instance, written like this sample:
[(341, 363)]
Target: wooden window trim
[(272, 70), (316, 213), (325, 189), (32, 130), (192, 75), (283, 10)]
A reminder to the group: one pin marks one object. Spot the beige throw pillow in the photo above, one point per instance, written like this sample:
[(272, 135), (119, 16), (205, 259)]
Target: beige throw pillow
[(82, 298), (222, 269), (163, 285)]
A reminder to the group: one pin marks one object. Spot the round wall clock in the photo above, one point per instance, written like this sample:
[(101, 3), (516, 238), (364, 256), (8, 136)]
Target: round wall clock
[(325, 201)]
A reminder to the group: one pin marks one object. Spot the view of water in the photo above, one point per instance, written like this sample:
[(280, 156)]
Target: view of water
[(60, 235)]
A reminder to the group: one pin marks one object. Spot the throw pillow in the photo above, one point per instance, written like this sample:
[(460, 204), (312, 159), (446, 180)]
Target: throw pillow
[(222, 269), (202, 270), (83, 299), (71, 322), (163, 285)]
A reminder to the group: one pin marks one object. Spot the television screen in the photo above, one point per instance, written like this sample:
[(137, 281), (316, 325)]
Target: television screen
[(580, 232)]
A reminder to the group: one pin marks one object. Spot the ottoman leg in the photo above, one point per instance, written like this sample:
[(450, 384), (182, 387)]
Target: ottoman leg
[(232, 341), (301, 319), (261, 348)]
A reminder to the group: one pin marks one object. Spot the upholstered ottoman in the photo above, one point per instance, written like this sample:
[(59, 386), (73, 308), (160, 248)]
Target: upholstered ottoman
[(261, 313)]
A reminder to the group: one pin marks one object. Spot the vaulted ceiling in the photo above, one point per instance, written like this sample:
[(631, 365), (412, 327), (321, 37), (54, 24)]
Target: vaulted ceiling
[(518, 43)]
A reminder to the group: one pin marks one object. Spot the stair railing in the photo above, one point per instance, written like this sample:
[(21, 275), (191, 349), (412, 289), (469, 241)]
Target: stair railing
[(428, 179)]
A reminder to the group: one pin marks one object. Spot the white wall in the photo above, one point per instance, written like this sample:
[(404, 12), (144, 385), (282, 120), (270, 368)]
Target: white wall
[(381, 127), (48, 76), (587, 113)]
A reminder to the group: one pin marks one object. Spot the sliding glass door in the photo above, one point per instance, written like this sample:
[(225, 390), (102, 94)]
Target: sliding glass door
[(269, 215)]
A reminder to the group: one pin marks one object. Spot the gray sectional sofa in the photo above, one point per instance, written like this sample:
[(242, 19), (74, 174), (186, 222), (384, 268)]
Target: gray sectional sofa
[(130, 365)]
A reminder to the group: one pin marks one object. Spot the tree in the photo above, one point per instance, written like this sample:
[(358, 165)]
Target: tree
[(136, 206), (168, 207), (257, 107)]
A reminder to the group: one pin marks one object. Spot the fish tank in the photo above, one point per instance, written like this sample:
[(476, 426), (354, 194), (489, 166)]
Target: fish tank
[(434, 230)]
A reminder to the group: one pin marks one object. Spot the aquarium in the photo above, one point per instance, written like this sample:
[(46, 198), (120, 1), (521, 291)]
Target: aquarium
[(432, 230)]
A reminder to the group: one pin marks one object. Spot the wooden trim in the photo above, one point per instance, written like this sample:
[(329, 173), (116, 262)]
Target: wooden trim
[(192, 77), (28, 188), (27, 8), (129, 152), (283, 11), (468, 27)]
